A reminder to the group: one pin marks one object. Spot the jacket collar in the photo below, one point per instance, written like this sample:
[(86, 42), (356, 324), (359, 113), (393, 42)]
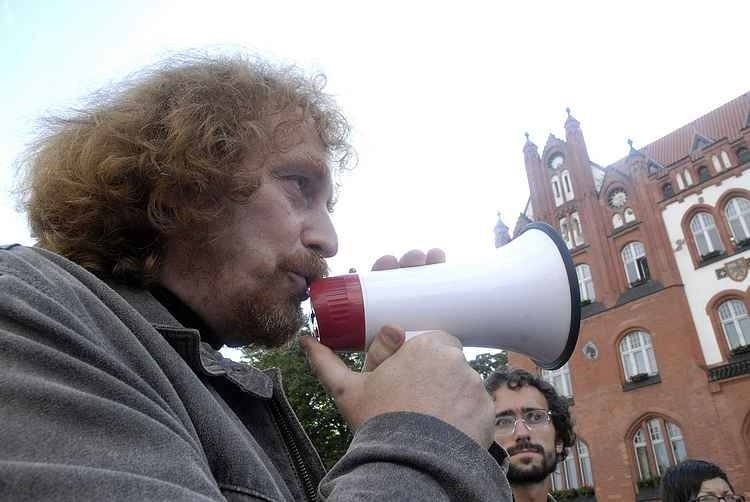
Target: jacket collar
[(200, 356)]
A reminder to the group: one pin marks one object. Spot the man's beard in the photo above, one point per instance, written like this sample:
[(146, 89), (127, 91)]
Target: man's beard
[(267, 317), (531, 474)]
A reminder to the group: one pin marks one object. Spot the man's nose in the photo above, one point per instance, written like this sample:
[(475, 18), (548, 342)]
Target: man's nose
[(320, 235)]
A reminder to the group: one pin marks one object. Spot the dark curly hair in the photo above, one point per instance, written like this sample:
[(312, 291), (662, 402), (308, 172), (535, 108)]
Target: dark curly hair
[(516, 378), (163, 154), (682, 482)]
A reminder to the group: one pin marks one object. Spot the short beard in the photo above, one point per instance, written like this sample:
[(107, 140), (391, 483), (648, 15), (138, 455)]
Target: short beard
[(265, 320), (533, 474)]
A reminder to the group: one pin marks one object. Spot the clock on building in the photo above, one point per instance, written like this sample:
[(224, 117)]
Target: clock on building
[(617, 198), (556, 161)]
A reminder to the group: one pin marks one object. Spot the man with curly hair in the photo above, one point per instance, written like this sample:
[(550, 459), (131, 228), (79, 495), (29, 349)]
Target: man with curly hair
[(187, 209), (534, 424)]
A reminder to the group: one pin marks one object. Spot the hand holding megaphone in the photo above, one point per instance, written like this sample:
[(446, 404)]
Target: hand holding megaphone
[(524, 299)]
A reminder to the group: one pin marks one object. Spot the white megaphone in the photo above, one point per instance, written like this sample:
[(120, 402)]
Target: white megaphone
[(524, 299)]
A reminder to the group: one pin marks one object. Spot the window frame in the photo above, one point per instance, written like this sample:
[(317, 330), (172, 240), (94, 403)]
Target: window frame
[(639, 261), (702, 224), (560, 478), (643, 429), (585, 282), (628, 354), (744, 223), (563, 373)]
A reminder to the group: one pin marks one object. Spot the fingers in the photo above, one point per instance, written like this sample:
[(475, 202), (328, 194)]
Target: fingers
[(387, 262), (333, 374), (435, 255), (413, 258), (388, 340)]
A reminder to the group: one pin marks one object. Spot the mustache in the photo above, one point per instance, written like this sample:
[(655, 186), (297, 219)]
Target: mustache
[(526, 445), (310, 265)]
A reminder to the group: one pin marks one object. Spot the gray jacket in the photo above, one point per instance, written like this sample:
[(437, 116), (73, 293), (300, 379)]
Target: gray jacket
[(105, 396)]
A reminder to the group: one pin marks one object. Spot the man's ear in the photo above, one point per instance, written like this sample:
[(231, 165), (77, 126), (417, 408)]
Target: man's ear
[(559, 449)]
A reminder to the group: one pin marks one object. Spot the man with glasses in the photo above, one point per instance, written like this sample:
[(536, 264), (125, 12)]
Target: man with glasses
[(534, 425), (697, 481)]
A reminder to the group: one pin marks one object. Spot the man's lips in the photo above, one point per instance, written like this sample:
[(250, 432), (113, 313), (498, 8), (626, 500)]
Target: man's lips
[(300, 284)]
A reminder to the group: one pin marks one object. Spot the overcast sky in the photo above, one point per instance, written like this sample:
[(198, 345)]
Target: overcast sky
[(439, 94)]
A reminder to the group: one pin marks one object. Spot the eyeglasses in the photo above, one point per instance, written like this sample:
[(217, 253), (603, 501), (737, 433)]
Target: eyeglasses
[(506, 425), (713, 498)]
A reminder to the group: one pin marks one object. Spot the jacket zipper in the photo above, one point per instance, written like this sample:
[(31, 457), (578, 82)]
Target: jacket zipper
[(291, 443)]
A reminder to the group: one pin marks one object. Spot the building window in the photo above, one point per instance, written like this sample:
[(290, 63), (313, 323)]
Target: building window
[(688, 177), (680, 183), (725, 159), (641, 455), (560, 380), (567, 185), (565, 232), (657, 445), (577, 230), (616, 220), (737, 212), (706, 235), (637, 353), (629, 215), (585, 283), (575, 471), (556, 190), (667, 190), (717, 164), (743, 155), (735, 323), (703, 174), (636, 266)]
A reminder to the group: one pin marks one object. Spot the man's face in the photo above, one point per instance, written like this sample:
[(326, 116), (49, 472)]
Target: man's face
[(533, 454), (247, 282)]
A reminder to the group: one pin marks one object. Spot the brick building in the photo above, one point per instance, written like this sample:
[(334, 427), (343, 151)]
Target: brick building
[(661, 242)]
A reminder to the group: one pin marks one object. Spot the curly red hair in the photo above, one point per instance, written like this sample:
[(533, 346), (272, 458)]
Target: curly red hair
[(163, 153)]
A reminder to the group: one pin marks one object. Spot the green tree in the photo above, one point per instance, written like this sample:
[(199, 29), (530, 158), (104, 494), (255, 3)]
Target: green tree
[(316, 411), (486, 363)]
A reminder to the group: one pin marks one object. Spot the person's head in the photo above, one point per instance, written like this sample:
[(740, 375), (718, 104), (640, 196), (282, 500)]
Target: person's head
[(210, 175), (697, 480), (532, 422)]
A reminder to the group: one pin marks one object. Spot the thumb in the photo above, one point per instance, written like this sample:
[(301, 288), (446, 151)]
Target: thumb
[(334, 375)]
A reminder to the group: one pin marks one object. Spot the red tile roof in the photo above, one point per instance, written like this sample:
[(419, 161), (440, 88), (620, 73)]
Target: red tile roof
[(723, 122)]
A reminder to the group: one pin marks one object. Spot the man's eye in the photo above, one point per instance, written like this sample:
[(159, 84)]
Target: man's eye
[(504, 421), (535, 416), (301, 182)]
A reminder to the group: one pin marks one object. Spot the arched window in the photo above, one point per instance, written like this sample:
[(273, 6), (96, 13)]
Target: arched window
[(706, 235), (717, 164), (567, 185), (667, 190), (616, 220), (743, 155), (565, 232), (575, 471), (636, 266), (703, 174), (657, 445), (577, 230), (737, 212), (560, 380), (680, 183), (735, 323), (725, 159), (585, 282), (556, 190), (637, 354), (629, 215), (688, 177)]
